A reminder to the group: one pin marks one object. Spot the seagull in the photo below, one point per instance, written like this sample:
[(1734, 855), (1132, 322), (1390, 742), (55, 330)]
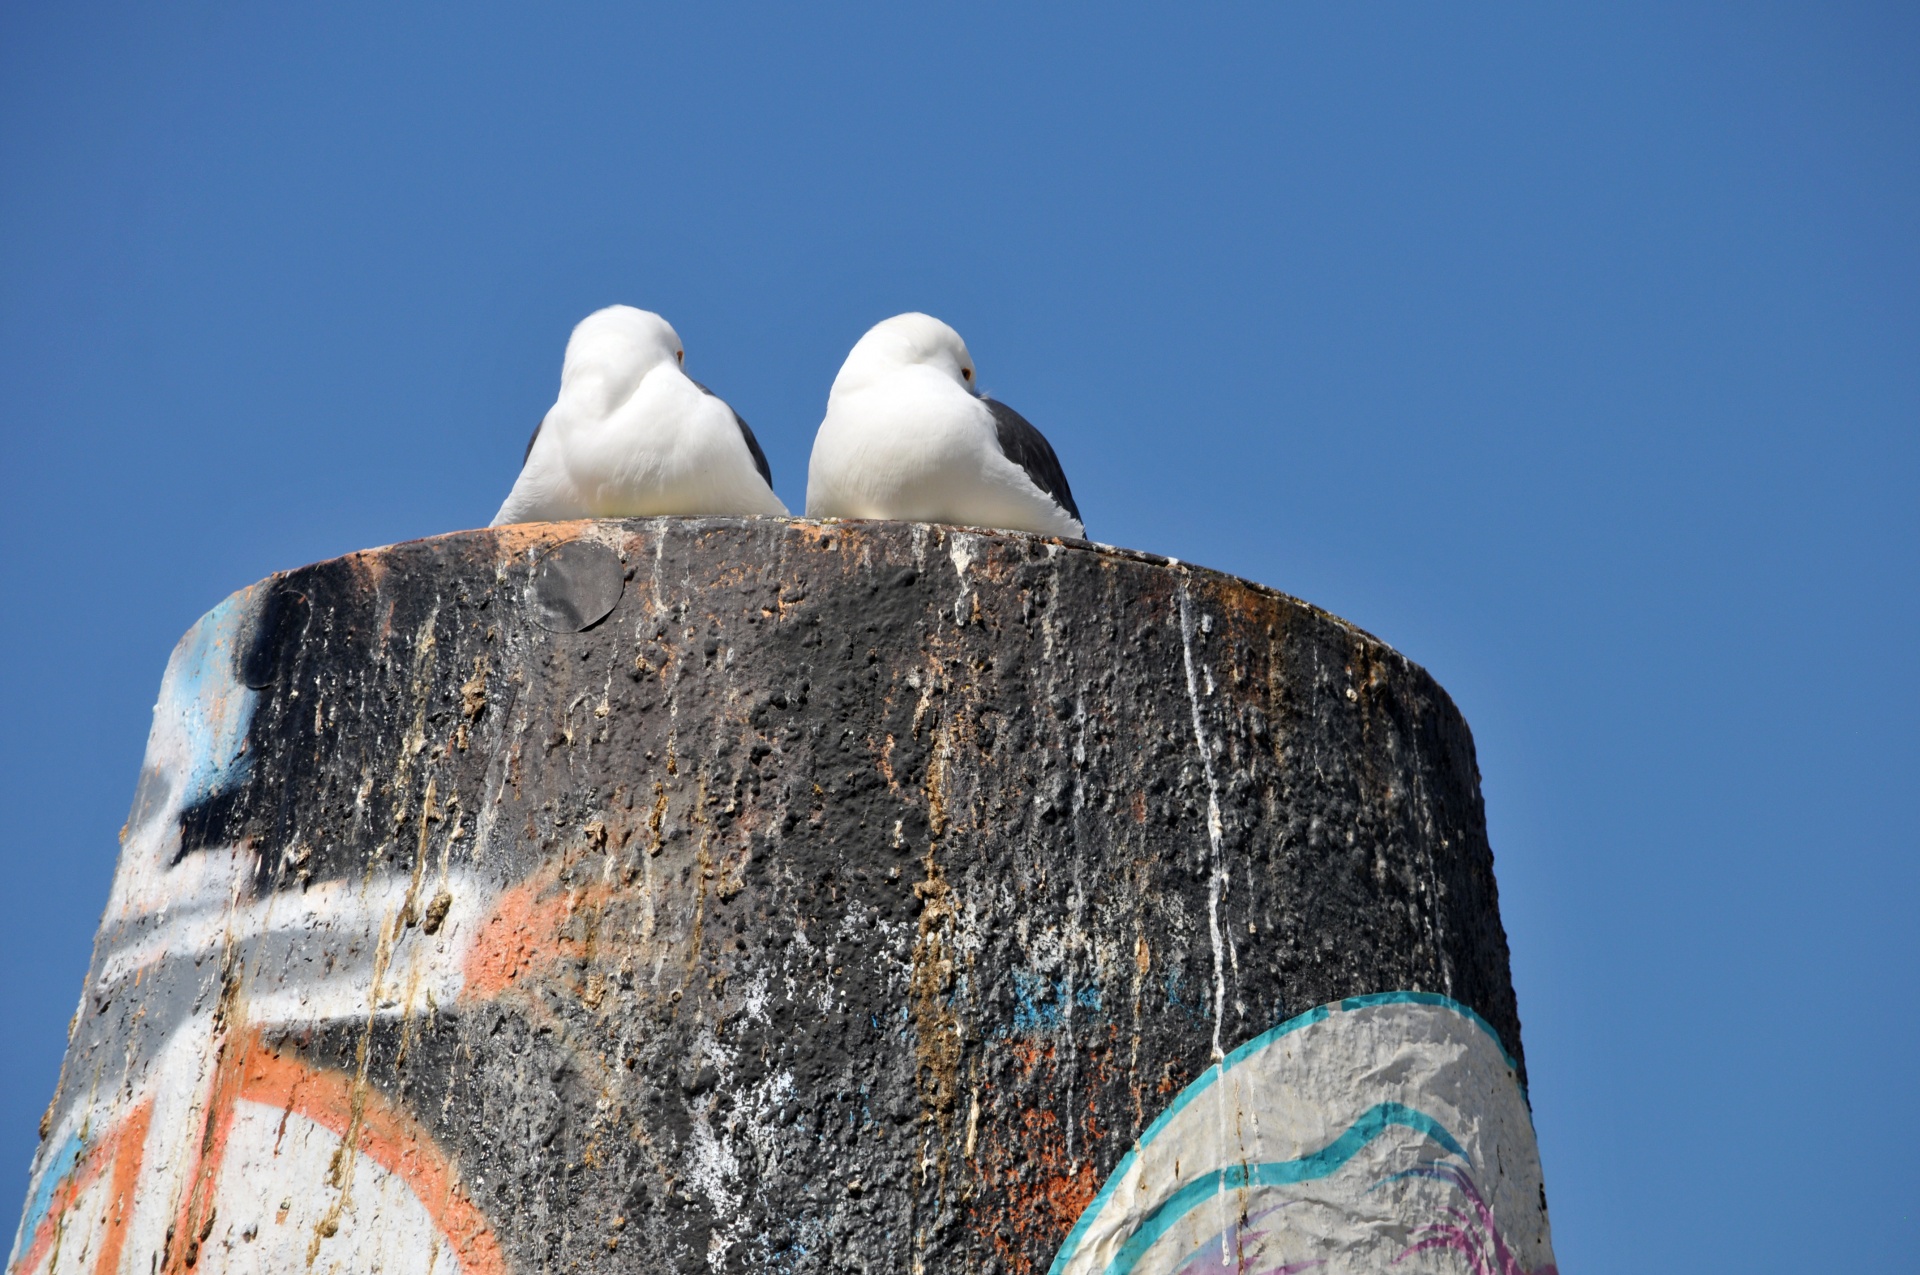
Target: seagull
[(909, 435), (632, 435)]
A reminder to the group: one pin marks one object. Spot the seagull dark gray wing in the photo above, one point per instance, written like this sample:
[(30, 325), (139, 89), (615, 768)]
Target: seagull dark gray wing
[(527, 455), (746, 432), (753, 445), (1028, 448)]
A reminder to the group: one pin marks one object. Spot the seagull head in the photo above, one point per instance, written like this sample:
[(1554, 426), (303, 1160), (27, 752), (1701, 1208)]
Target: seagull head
[(905, 341), (612, 351)]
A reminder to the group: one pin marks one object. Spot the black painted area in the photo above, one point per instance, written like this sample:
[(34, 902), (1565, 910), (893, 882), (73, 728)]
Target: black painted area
[(279, 630)]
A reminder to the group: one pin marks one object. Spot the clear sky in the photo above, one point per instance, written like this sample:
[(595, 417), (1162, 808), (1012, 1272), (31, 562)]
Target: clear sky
[(1573, 350)]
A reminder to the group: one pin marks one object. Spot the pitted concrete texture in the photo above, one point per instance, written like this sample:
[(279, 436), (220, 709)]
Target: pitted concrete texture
[(843, 897)]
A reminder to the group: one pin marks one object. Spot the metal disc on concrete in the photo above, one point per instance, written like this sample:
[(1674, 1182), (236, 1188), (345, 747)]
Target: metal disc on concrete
[(575, 586)]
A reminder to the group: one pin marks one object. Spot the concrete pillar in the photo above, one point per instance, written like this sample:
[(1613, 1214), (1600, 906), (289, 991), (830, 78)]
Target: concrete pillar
[(756, 895)]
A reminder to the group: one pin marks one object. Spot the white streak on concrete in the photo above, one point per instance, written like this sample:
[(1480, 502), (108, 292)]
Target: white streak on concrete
[(960, 550), (1216, 875)]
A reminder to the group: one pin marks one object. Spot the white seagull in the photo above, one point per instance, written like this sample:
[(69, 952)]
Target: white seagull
[(908, 435), (634, 436)]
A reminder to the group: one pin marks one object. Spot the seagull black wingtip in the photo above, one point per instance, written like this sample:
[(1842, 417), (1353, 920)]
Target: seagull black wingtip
[(1028, 448)]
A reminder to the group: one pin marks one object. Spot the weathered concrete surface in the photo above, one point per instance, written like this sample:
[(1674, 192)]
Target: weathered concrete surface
[(850, 897)]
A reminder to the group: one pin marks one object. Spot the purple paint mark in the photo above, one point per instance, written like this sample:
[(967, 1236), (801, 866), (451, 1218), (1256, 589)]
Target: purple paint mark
[(1472, 1233)]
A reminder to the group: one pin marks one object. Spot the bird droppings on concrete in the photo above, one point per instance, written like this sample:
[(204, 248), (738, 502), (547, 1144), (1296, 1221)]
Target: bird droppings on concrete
[(909, 874)]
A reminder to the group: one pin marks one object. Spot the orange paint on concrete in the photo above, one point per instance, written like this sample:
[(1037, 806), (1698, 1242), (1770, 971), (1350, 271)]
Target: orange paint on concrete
[(520, 934), (525, 933), (207, 1152), (250, 1072), (1039, 1190), (77, 1180), (389, 1137), (1023, 1164), (119, 1152), (129, 1152)]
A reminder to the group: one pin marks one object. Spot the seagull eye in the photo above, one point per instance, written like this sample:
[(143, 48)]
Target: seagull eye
[(967, 372), (680, 355)]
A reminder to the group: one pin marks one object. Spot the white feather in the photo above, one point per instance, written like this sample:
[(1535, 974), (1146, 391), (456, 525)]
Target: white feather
[(632, 436)]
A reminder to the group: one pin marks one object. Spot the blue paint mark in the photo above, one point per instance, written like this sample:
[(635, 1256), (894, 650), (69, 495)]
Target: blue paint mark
[(1040, 1003), (208, 704), (51, 1176), (1036, 1005), (1375, 1121), (1200, 1012)]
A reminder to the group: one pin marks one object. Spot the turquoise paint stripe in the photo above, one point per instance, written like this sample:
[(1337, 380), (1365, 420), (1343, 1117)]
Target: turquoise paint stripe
[(1328, 1159), (1200, 1086), (1433, 998)]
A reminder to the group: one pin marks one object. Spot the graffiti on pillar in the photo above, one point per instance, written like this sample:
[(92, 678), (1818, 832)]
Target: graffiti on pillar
[(1381, 1132), (215, 1147), (238, 1092)]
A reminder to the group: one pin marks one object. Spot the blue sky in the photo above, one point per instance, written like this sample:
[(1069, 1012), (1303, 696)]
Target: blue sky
[(1576, 354)]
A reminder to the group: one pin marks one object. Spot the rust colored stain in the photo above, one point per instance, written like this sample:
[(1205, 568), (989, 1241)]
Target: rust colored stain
[(522, 537), (1038, 1188), (936, 1027), (1025, 1165)]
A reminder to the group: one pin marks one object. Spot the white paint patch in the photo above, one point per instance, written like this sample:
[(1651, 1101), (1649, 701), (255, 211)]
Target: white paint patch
[(1382, 1133), (275, 1156), (344, 917), (195, 748)]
